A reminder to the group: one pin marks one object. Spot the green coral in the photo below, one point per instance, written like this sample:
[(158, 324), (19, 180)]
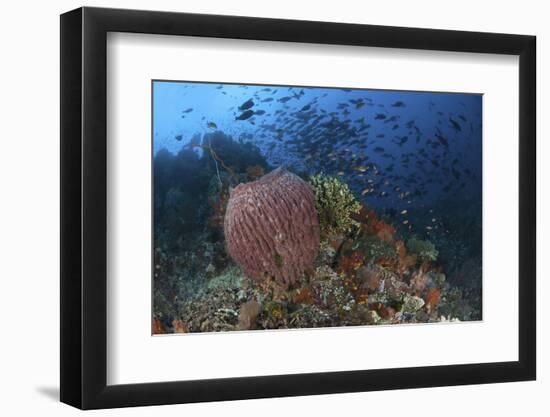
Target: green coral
[(437, 277), (335, 204), (231, 278), (374, 248), (423, 248)]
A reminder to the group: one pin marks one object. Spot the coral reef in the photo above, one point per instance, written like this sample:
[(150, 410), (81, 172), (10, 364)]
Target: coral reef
[(192, 186), (367, 281), (335, 205), (316, 256), (271, 228), (248, 315), (179, 326), (255, 172), (236, 155), (424, 249), (371, 224)]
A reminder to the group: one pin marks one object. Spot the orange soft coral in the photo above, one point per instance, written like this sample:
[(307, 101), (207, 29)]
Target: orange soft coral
[(303, 296), (383, 230), (350, 263), (373, 225), (157, 327), (179, 326), (420, 279), (432, 298), (404, 260)]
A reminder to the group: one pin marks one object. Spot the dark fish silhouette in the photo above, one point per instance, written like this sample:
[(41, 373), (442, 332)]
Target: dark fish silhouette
[(402, 140), (379, 116), (456, 173), (245, 115), (358, 103), (189, 110), (179, 137), (398, 104), (246, 105), (441, 139), (455, 125)]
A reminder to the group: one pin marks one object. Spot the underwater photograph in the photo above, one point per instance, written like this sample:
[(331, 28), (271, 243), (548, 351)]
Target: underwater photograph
[(295, 207)]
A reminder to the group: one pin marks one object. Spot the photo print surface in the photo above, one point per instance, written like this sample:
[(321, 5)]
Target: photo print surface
[(287, 207)]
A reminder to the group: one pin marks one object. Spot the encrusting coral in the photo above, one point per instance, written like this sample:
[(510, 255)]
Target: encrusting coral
[(271, 227), (335, 205)]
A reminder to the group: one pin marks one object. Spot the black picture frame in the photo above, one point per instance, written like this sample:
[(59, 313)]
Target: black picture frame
[(84, 207)]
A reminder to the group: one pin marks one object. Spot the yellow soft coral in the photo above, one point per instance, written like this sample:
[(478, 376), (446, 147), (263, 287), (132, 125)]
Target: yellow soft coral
[(335, 204)]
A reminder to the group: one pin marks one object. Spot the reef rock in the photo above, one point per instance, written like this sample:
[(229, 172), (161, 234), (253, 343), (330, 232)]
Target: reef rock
[(272, 229), (248, 314)]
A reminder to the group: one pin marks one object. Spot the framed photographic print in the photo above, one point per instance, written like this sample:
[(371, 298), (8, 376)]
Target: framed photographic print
[(257, 208)]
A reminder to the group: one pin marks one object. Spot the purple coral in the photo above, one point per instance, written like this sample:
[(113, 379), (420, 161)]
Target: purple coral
[(271, 227)]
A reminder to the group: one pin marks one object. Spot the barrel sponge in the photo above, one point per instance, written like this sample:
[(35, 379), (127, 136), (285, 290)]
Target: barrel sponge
[(271, 227)]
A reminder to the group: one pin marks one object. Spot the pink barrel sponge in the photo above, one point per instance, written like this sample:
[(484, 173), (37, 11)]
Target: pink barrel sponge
[(272, 229)]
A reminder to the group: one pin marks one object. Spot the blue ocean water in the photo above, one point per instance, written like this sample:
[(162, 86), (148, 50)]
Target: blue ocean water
[(395, 148)]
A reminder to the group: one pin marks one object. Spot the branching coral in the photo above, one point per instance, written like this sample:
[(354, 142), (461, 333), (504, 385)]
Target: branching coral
[(335, 205)]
